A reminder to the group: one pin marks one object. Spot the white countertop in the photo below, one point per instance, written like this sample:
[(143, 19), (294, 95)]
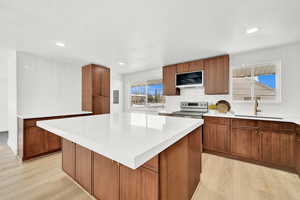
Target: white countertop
[(128, 138), (285, 118), (50, 114)]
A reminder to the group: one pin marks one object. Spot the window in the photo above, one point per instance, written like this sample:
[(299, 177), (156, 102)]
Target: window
[(261, 81), (148, 94)]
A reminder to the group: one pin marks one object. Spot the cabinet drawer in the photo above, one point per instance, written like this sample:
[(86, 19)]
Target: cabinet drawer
[(283, 127), (152, 164), (298, 129), (217, 120), (29, 123), (244, 123)]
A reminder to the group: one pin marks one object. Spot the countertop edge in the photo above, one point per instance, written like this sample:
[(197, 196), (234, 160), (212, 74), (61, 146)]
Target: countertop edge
[(127, 161), (36, 116)]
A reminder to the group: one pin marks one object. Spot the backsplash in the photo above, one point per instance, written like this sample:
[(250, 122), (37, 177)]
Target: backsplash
[(197, 94)]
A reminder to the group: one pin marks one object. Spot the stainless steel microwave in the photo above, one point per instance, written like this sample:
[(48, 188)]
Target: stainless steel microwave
[(190, 79)]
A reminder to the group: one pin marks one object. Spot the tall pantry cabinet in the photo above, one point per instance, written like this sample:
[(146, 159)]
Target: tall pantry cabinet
[(96, 89)]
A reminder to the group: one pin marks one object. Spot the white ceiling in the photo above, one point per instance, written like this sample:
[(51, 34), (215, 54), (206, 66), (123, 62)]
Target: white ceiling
[(145, 33)]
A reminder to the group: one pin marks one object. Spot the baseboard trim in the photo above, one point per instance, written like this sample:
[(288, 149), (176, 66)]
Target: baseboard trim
[(11, 146)]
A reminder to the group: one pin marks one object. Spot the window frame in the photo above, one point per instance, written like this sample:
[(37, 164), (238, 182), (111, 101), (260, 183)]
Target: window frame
[(278, 81), (146, 106)]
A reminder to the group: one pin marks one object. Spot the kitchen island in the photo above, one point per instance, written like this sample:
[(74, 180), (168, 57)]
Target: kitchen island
[(131, 156)]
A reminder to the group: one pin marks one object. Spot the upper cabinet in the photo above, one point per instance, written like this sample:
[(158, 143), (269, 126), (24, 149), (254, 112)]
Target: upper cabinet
[(216, 76), (197, 65), (96, 89), (169, 80), (183, 68)]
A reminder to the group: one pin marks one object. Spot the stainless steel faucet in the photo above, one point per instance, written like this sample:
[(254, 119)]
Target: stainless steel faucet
[(256, 110)]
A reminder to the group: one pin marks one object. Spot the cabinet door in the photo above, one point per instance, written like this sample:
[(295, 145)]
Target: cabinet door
[(68, 157), (297, 154), (169, 77), (216, 76), (101, 105), (53, 142), (34, 141), (87, 88), (83, 171), (106, 178), (138, 184), (216, 136), (245, 142), (278, 148), (197, 66), (183, 68), (101, 81)]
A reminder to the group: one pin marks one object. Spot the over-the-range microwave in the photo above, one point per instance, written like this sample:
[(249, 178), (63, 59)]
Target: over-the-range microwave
[(190, 79)]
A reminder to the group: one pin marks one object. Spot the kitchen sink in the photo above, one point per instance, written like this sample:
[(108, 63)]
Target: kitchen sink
[(258, 116)]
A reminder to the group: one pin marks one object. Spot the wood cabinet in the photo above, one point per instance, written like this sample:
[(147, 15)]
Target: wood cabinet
[(96, 89), (105, 178), (169, 80), (175, 167), (83, 169), (297, 153), (216, 135), (269, 143), (278, 143), (174, 174), (197, 65), (34, 141), (68, 158), (52, 142), (138, 184), (245, 142), (216, 76), (183, 68)]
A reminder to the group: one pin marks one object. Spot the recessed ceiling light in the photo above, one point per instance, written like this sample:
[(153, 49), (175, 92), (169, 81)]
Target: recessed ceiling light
[(121, 63), (252, 30), (60, 44)]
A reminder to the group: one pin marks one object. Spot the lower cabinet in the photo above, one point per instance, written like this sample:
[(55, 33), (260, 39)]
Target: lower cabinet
[(68, 157), (52, 142), (174, 174), (34, 141), (278, 148), (245, 142), (216, 136), (264, 142), (105, 178), (297, 152), (83, 164), (138, 184)]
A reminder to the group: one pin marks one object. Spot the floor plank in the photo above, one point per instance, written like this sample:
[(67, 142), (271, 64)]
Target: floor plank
[(222, 179)]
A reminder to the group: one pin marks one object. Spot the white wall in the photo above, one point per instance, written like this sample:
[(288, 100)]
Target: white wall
[(47, 86), (50, 86), (12, 101), (116, 83), (290, 58), (3, 89)]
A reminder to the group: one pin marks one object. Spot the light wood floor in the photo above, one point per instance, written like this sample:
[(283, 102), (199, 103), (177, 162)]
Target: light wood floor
[(222, 179)]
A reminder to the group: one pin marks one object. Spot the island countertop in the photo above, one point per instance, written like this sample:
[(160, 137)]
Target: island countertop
[(131, 139)]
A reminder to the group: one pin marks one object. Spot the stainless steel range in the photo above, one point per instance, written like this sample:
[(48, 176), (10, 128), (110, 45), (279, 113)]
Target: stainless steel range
[(192, 109)]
